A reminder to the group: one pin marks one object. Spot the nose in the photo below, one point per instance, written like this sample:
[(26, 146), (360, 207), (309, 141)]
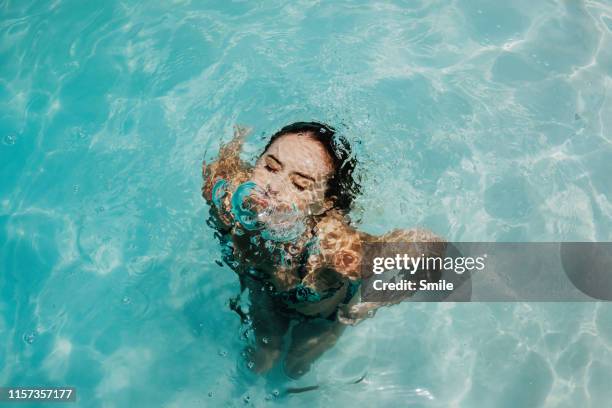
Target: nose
[(272, 188)]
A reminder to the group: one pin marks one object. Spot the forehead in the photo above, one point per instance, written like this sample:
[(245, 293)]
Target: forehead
[(301, 152)]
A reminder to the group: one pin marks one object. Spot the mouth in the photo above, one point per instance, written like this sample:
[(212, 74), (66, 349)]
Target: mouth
[(260, 202), (282, 223), (257, 203)]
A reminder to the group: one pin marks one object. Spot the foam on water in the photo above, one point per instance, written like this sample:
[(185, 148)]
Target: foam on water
[(476, 119)]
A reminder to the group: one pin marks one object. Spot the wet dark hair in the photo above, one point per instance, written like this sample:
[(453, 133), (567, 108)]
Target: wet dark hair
[(342, 187)]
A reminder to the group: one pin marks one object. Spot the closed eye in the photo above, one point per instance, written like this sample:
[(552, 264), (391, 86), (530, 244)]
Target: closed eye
[(269, 168), (301, 183), (272, 164)]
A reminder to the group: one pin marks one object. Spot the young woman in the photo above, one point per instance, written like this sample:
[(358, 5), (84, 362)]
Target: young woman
[(285, 230)]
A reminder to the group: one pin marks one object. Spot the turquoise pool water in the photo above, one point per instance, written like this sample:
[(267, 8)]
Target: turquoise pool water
[(480, 120)]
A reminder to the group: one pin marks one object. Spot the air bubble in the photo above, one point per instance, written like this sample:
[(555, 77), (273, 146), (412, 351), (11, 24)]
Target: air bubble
[(251, 364), (81, 133), (265, 340), (10, 140), (29, 337), (222, 353)]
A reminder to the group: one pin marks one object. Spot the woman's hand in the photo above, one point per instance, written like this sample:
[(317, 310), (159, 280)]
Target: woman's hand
[(355, 314)]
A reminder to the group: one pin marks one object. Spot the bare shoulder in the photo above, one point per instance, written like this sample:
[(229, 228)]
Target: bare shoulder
[(340, 245), (228, 165), (410, 235), (419, 241)]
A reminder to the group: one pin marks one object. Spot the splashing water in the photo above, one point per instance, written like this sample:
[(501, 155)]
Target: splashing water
[(241, 208), (279, 222)]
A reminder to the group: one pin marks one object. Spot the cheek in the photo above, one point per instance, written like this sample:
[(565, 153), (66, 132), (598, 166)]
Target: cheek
[(302, 200), (314, 199), (318, 191), (260, 176)]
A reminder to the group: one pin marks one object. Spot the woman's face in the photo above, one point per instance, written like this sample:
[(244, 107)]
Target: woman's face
[(294, 171)]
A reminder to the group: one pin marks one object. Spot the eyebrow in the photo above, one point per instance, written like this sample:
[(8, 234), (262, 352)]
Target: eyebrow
[(275, 159)]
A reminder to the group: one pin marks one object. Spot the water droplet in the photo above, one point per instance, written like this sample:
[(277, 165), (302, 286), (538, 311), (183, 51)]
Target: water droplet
[(126, 300), (9, 140), (100, 210), (276, 393), (80, 133), (29, 337), (222, 353)]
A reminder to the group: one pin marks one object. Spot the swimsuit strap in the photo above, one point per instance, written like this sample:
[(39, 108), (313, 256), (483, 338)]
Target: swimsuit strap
[(302, 294), (305, 294)]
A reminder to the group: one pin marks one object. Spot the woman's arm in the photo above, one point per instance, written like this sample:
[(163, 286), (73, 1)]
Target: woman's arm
[(341, 246), (356, 310), (228, 165)]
